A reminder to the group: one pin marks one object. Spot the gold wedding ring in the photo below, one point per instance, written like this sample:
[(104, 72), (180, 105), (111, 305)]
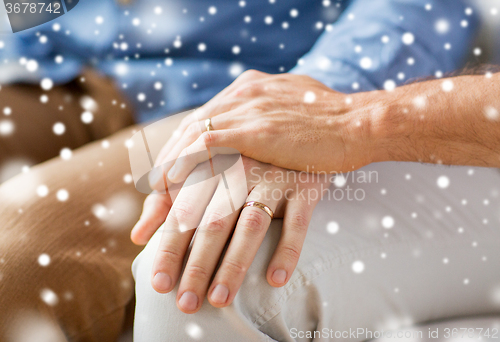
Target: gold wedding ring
[(260, 206), (208, 125)]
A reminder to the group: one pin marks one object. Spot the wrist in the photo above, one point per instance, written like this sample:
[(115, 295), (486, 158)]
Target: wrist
[(424, 122), (380, 116), (396, 125)]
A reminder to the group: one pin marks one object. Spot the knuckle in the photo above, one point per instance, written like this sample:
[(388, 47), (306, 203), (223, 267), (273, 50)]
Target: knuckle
[(215, 223), (266, 126), (187, 120), (197, 272), (299, 222), (250, 74), (292, 252), (251, 88), (194, 129), (208, 138), (253, 221), (170, 255), (183, 210), (234, 267)]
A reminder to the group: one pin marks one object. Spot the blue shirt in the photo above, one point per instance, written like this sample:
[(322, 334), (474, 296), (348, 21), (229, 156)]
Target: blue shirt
[(171, 55)]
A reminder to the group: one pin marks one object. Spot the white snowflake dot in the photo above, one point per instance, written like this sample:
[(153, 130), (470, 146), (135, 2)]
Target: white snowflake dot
[(443, 182), (62, 195), (6, 127), (491, 113), (44, 260), (65, 153), (236, 49), (32, 65), (42, 190), (59, 128), (128, 178), (87, 117), (387, 222), (366, 63), (389, 85), (447, 85), (49, 297), (46, 83), (408, 38), (194, 331), (442, 26), (309, 97), (358, 266), (332, 227), (158, 85)]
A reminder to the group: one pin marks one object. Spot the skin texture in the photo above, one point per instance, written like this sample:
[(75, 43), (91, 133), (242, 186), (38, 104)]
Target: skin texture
[(428, 122), (268, 118), (275, 119), (287, 120)]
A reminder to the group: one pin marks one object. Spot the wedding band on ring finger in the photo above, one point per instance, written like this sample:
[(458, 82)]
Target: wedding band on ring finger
[(208, 125), (261, 206)]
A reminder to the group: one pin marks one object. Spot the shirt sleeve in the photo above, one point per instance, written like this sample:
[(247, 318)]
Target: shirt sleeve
[(58, 49), (383, 43)]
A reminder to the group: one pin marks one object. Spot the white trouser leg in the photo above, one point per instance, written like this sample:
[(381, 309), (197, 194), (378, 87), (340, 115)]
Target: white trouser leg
[(440, 258)]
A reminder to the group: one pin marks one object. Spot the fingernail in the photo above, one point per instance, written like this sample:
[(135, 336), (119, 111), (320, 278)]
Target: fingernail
[(188, 301), (155, 175), (162, 282), (279, 276), (219, 294)]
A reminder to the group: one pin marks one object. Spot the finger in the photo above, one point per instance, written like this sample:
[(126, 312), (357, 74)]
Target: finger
[(222, 102), (163, 165), (248, 236), (189, 119), (190, 135), (286, 256), (207, 247), (227, 141), (184, 216), (219, 104), (154, 213)]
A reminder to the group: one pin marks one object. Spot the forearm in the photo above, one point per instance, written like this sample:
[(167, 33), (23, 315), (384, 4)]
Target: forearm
[(424, 122)]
